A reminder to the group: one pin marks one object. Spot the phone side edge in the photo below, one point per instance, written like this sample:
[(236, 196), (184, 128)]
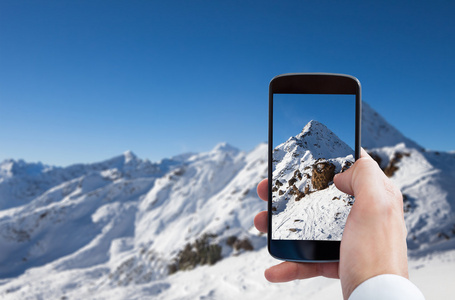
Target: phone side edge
[(270, 168)]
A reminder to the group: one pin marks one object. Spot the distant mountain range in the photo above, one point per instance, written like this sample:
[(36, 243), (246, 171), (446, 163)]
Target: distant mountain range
[(181, 228)]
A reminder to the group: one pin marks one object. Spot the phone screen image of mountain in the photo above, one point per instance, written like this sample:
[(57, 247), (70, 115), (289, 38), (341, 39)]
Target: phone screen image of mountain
[(306, 205)]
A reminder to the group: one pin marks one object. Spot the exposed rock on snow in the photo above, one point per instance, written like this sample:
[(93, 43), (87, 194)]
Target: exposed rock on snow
[(202, 251), (322, 174)]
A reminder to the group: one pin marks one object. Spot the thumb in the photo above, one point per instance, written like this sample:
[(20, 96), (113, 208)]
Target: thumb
[(343, 181)]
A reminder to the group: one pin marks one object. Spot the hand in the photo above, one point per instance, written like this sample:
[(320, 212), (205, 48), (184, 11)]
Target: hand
[(374, 238)]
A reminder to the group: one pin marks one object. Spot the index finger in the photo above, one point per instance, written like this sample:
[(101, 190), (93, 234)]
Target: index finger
[(263, 189)]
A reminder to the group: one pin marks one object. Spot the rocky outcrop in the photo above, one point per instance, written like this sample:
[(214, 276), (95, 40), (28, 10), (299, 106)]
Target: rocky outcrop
[(314, 178), (322, 174), (392, 167), (239, 244), (201, 252)]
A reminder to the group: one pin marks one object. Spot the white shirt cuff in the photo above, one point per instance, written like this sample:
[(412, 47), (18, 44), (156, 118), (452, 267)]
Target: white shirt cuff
[(387, 286)]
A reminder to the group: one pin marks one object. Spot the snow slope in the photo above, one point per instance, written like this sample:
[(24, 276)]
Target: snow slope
[(182, 228)]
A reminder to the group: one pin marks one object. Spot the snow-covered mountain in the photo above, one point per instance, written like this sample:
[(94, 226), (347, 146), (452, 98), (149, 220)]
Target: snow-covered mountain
[(306, 204), (182, 228)]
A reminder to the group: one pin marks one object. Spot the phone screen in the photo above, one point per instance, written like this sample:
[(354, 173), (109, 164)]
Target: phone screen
[(314, 138)]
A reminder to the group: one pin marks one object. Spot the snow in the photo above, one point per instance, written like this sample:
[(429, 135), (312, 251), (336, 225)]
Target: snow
[(110, 230), (320, 214), (317, 217)]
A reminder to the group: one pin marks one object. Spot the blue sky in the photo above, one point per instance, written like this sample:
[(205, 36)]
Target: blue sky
[(292, 112), (82, 81)]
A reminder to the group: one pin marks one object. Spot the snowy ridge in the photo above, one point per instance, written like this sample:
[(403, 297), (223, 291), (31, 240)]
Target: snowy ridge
[(377, 132), (426, 180), (182, 228), (21, 182), (317, 140), (120, 225)]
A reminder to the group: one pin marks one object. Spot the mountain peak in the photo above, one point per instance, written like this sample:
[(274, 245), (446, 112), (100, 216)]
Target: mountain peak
[(313, 125), (10, 167), (377, 132), (225, 147), (316, 138), (129, 156)]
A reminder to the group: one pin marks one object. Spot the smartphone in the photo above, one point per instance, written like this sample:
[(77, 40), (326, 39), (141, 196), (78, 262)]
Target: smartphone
[(314, 133)]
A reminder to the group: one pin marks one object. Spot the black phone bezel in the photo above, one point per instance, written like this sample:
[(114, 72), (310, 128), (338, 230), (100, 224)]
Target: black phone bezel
[(309, 83)]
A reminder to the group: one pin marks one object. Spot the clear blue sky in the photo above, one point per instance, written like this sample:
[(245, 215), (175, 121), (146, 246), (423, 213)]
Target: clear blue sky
[(82, 81), (292, 112)]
